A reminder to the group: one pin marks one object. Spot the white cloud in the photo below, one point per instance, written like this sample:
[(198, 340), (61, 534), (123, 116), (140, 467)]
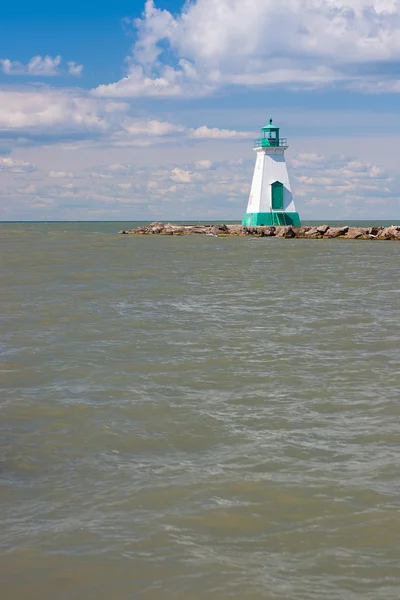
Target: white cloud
[(136, 83), (305, 160), (11, 165), (292, 43), (74, 69), (151, 127), (214, 133), (181, 176), (174, 190), (27, 115), (38, 65), (51, 111), (144, 132), (204, 164), (330, 187), (118, 168), (343, 185), (60, 174), (44, 66)]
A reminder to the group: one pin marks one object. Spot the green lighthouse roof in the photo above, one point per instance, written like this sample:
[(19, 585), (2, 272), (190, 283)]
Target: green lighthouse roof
[(270, 127)]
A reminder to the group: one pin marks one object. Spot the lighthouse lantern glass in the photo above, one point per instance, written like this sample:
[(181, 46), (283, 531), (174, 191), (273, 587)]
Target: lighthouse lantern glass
[(270, 138), (270, 135)]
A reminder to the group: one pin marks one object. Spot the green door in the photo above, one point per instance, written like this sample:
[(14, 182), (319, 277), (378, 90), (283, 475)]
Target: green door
[(277, 195)]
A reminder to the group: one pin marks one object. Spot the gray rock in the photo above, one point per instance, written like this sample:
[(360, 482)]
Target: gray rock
[(236, 229), (374, 231), (217, 229), (313, 233), (355, 232), (301, 231), (201, 230), (334, 232), (395, 232), (157, 224), (268, 231), (389, 233), (285, 232)]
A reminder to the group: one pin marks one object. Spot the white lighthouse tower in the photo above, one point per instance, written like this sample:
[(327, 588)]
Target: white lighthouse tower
[(271, 199)]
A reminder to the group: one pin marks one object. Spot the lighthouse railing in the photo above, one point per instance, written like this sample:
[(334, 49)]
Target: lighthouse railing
[(270, 143)]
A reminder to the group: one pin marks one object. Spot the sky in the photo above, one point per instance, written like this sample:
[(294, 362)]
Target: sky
[(147, 110)]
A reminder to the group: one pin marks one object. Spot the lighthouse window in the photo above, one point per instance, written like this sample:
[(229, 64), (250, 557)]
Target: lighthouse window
[(272, 138)]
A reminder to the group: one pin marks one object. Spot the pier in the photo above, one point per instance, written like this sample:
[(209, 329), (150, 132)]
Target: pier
[(289, 231)]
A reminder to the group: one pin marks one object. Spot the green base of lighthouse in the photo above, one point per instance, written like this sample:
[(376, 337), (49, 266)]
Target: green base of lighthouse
[(271, 218)]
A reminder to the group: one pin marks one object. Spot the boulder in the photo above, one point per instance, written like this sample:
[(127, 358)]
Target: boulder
[(354, 233), (334, 232), (313, 233), (236, 229), (389, 233), (383, 234), (268, 231), (301, 231), (285, 232), (218, 229), (395, 232), (171, 229), (157, 224), (289, 233), (322, 229), (374, 231), (198, 229)]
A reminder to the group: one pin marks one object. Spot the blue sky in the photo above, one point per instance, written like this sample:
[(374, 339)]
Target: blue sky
[(143, 110)]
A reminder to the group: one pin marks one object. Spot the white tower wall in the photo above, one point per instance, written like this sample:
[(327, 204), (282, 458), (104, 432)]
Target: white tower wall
[(270, 167)]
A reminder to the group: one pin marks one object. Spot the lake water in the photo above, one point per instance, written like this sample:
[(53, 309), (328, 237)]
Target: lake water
[(196, 418)]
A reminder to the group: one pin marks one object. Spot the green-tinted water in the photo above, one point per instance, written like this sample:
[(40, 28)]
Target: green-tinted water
[(198, 418)]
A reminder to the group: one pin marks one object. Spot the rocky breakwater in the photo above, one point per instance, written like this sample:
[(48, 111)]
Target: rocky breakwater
[(319, 232)]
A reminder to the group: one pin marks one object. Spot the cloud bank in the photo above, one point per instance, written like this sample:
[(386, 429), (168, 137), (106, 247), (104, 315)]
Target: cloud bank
[(10, 165), (323, 186), (65, 114), (298, 44), (40, 66)]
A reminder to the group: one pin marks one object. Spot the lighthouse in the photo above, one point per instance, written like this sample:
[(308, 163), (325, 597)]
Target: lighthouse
[(271, 199)]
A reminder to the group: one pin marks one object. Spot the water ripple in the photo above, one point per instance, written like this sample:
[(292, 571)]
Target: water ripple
[(199, 418)]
